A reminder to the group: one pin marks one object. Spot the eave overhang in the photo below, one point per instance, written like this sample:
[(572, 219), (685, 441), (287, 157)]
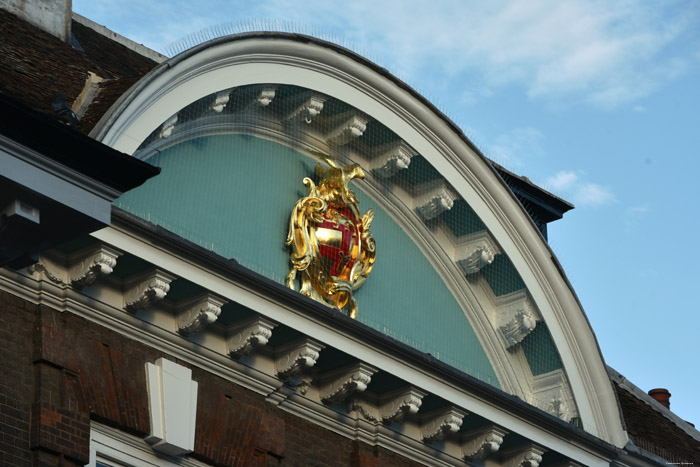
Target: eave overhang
[(56, 183)]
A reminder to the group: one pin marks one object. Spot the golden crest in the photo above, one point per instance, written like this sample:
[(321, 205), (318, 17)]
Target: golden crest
[(332, 247)]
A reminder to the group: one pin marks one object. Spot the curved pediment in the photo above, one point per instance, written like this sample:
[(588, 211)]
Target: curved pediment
[(461, 271)]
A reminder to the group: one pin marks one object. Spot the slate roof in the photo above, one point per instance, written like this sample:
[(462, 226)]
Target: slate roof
[(36, 66)]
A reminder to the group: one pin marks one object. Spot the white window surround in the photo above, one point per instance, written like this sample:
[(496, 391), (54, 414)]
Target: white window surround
[(234, 62), (116, 448)]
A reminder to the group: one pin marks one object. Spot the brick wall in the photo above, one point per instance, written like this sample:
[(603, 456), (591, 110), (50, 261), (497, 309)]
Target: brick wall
[(59, 371)]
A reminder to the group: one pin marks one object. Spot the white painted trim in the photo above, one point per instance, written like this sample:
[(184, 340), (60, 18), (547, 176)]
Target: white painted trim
[(227, 63), (111, 445)]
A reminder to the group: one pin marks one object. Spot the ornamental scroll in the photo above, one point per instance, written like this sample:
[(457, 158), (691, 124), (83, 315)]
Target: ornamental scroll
[(332, 247)]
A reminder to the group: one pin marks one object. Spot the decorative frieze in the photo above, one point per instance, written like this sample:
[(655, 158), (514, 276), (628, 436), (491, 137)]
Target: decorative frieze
[(393, 159), (96, 264), (309, 109), (146, 289), (221, 100), (517, 319), (475, 251), (435, 201), (398, 405), (351, 128), (342, 383), (481, 443), (196, 314), (529, 455), (249, 335), (440, 424), (292, 360)]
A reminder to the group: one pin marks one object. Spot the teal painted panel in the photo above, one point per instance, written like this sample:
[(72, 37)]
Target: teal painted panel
[(233, 194), (462, 219), (540, 351), (502, 276)]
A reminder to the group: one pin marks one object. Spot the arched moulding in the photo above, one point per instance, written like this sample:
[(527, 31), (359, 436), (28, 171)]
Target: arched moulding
[(284, 59)]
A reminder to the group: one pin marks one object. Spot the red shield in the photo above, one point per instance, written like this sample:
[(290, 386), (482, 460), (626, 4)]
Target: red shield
[(338, 242)]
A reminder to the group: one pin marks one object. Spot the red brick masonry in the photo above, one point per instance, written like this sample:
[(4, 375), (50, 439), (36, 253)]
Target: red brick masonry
[(59, 371)]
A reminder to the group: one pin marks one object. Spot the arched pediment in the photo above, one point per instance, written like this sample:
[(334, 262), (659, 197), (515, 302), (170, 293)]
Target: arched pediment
[(457, 244)]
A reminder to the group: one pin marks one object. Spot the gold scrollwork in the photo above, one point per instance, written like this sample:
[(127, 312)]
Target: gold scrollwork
[(332, 248)]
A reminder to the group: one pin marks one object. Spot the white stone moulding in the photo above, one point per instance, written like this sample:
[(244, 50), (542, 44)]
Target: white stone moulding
[(529, 455), (96, 264), (390, 161), (349, 129), (442, 423), (481, 443), (248, 336), (475, 251), (293, 359), (309, 109), (220, 101), (517, 317), (168, 127), (435, 201), (343, 383), (172, 400), (146, 289), (398, 405), (194, 315)]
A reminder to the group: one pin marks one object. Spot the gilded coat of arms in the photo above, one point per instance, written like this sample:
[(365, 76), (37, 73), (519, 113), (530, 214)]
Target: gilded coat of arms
[(332, 247)]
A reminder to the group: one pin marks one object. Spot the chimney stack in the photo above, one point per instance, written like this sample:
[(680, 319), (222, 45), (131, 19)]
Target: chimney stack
[(662, 396), (53, 16)]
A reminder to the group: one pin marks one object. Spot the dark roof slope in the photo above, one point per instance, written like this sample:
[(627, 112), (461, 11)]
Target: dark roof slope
[(654, 428), (36, 66)]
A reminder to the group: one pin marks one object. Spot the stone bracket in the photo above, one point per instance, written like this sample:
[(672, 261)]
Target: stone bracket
[(292, 360), (516, 319), (529, 455), (342, 383), (220, 100), (309, 109), (96, 264), (475, 252), (196, 314), (168, 127), (147, 289), (481, 443), (441, 424), (349, 129), (390, 161), (266, 95), (400, 404), (249, 336), (435, 201)]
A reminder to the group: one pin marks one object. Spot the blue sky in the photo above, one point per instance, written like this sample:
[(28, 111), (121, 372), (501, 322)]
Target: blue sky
[(597, 101)]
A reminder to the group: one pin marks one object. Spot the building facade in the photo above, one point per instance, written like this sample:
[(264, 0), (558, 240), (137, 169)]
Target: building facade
[(172, 333)]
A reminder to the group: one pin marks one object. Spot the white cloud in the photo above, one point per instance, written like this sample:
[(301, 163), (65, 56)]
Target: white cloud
[(633, 216), (512, 149), (583, 193), (592, 194), (597, 51), (562, 181)]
